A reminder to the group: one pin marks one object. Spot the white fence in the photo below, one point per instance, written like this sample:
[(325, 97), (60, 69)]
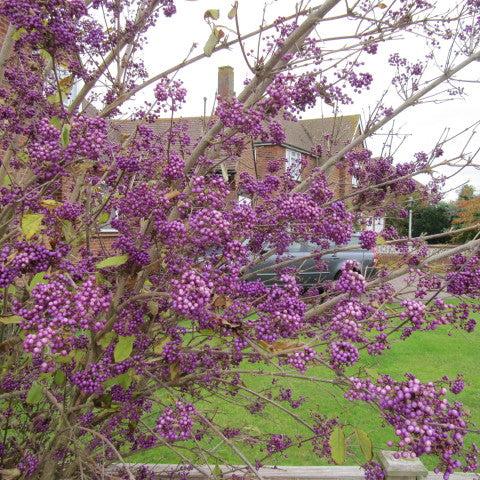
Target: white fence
[(410, 469)]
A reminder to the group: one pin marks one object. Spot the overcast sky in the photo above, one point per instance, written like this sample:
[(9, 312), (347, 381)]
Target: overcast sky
[(422, 126)]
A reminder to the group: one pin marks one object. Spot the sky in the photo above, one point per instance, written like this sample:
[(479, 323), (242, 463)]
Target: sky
[(421, 127)]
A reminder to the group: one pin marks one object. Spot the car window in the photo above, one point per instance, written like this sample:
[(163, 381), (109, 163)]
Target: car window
[(355, 240), (297, 247)]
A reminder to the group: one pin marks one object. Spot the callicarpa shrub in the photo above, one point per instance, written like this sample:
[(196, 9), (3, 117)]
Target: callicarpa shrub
[(114, 344)]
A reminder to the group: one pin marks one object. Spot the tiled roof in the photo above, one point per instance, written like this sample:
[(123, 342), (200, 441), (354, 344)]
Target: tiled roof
[(331, 133), (196, 126)]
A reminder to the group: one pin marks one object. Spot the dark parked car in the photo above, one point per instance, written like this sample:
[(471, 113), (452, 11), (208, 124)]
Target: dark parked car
[(308, 272)]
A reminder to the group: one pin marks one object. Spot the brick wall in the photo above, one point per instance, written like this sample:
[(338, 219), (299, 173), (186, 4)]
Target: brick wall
[(3, 28), (339, 179)]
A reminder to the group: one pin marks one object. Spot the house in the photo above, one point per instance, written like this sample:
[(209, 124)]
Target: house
[(307, 142)]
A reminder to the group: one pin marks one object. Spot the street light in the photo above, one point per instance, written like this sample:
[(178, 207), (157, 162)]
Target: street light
[(410, 217)]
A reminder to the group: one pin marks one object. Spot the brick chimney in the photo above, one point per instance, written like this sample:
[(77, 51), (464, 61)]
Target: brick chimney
[(226, 82)]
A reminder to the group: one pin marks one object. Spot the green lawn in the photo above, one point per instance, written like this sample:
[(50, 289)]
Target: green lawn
[(428, 355)]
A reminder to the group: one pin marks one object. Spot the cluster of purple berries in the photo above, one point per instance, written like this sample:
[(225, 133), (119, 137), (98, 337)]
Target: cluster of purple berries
[(350, 280), (343, 354), (423, 419), (176, 423), (368, 239), (300, 359), (278, 443)]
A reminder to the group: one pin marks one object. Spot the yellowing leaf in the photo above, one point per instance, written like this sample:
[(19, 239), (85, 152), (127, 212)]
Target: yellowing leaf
[(153, 308), (213, 41), (158, 348), (172, 194), (115, 261), (213, 13), (66, 84), (11, 320), (123, 348), (233, 12), (337, 445), (174, 371), (45, 55), (10, 473), (49, 203), (365, 444), (31, 224)]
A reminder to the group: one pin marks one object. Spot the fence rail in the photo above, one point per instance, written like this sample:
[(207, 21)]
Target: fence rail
[(395, 469)]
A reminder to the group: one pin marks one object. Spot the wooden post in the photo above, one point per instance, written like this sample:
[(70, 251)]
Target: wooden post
[(401, 468)]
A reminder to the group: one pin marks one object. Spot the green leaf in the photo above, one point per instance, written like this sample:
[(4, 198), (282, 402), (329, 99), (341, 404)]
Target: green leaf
[(6, 181), (54, 99), (106, 340), (23, 157), (365, 444), (123, 348), (31, 224), (11, 320), (213, 13), (233, 12), (46, 55), (212, 41), (115, 261), (65, 135), (68, 231), (59, 378), (35, 394), (158, 348), (56, 122), (337, 445), (380, 241), (18, 34), (103, 218), (372, 373), (217, 472), (36, 279), (124, 380)]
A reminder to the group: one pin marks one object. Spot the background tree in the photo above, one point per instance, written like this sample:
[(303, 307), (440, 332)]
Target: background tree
[(427, 219), (106, 350), (467, 213)]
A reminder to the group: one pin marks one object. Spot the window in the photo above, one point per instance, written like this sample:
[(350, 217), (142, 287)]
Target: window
[(107, 227), (244, 200), (68, 85), (293, 164), (106, 221)]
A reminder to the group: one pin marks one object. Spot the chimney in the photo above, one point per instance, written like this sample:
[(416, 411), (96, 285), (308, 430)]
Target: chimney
[(226, 82)]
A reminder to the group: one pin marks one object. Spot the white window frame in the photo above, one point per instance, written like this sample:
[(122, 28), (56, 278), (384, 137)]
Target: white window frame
[(293, 163)]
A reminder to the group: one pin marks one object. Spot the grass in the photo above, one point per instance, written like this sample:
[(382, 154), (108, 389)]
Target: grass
[(428, 355)]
